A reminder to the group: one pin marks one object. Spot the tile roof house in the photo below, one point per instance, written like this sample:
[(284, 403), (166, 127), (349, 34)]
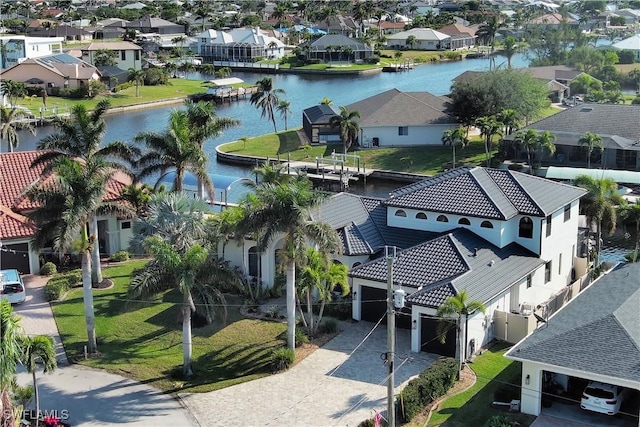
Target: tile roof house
[(610, 121), (595, 337), (394, 118), (508, 239), (426, 39), (16, 231)]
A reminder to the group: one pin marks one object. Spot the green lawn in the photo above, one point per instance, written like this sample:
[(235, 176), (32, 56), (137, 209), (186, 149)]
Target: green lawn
[(144, 341), (473, 407), (177, 88)]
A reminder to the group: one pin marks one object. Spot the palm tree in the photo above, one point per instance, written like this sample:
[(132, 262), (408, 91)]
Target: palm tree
[(284, 107), (174, 149), (453, 137), (599, 206), (10, 332), (80, 136), (487, 32), (267, 98), (284, 210), (326, 101), (136, 76), (592, 142), (411, 41), (319, 276), (456, 307), (348, 126), (510, 119), (634, 75), (631, 213), (208, 69), (40, 349), (489, 127), (10, 123), (13, 90), (510, 48), (527, 139), (174, 233), (546, 141)]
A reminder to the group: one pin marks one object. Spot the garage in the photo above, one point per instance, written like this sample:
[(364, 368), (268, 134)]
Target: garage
[(373, 306), (430, 340), (562, 396), (15, 256)]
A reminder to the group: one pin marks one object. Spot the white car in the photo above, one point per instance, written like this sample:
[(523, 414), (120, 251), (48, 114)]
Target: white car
[(11, 286), (602, 398)]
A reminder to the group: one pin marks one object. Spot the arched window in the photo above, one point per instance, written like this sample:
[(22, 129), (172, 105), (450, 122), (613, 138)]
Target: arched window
[(254, 262), (442, 218), (486, 224), (421, 215), (401, 213), (336, 262), (464, 221), (526, 228)]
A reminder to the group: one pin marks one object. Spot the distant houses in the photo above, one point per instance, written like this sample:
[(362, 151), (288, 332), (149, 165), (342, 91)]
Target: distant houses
[(240, 44)]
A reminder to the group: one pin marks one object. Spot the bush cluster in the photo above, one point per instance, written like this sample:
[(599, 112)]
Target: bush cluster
[(119, 256), (282, 359), (301, 337), (61, 283), (340, 310), (48, 269), (434, 382)]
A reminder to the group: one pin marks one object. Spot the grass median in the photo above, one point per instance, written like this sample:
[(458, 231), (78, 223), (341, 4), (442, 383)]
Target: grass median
[(143, 341)]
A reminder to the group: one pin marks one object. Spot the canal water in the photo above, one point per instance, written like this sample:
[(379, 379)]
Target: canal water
[(302, 91)]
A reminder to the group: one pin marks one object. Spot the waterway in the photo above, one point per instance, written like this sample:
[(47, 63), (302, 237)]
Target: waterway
[(302, 91)]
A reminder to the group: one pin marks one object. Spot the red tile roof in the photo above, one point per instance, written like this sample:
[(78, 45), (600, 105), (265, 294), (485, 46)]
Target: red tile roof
[(13, 225)]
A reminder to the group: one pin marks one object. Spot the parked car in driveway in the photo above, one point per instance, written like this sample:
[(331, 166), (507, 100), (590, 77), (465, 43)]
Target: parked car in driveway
[(602, 398), (11, 286)]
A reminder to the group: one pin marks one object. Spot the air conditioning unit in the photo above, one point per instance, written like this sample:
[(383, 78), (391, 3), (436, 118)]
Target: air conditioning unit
[(526, 309)]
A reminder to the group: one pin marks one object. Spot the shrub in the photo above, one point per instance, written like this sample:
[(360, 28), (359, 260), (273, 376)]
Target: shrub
[(119, 256), (432, 383), (329, 326), (636, 100), (48, 269), (498, 421), (123, 86), (301, 337), (373, 60), (54, 289), (367, 423), (282, 359), (628, 257), (339, 310), (273, 312)]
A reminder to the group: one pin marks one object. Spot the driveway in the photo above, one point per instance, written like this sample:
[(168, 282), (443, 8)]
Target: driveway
[(89, 397), (331, 387)]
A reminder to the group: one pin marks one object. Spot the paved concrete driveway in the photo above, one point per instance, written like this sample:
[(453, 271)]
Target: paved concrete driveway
[(328, 388), (92, 397)]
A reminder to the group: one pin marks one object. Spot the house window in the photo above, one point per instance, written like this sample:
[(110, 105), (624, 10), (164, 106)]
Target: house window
[(403, 130), (547, 272), (355, 264), (486, 224), (549, 226), (526, 228), (137, 55), (254, 262), (203, 40), (421, 215), (126, 225), (464, 221), (442, 218), (123, 55), (567, 212), (401, 213), (529, 281), (560, 264)]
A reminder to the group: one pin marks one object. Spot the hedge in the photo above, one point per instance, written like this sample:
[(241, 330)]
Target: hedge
[(434, 382), (61, 283)]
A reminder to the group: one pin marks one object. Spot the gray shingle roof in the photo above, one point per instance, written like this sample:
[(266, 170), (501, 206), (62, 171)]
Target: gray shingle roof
[(320, 113), (396, 108), (596, 332), (452, 263), (485, 193)]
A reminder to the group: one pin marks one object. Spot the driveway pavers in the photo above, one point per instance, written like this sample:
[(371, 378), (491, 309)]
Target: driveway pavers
[(331, 387)]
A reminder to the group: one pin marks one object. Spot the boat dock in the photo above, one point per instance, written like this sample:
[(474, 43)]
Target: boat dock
[(339, 168)]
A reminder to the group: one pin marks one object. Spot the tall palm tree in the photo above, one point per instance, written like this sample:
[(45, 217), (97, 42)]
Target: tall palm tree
[(326, 101), (284, 210), (319, 276), (64, 210), (487, 32), (174, 149), (527, 139), (81, 136), (266, 98), (454, 137), (10, 332), (38, 350), (630, 213), (137, 77), (411, 41), (10, 123), (634, 75), (510, 119), (510, 48), (546, 141), (489, 127), (592, 142), (284, 107), (269, 173), (458, 307), (348, 125), (599, 206)]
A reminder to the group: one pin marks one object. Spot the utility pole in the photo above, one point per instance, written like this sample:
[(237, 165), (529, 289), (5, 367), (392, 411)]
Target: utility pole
[(391, 336)]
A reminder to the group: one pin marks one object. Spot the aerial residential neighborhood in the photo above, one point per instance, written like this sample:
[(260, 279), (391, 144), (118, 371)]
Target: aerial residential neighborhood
[(320, 213)]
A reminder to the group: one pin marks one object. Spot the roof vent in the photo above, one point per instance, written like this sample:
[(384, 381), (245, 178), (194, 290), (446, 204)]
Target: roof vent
[(475, 252), (491, 263), (586, 109)]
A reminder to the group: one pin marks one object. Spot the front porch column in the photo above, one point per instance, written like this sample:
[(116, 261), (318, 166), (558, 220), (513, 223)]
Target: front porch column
[(355, 304), (531, 393), (415, 331)]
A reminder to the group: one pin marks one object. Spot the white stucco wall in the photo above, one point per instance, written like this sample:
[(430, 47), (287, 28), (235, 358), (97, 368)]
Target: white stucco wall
[(417, 135), (562, 241)]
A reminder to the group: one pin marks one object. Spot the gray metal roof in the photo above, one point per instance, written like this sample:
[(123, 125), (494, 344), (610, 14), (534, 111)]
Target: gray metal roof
[(320, 113), (596, 332), (485, 193), (451, 263)]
